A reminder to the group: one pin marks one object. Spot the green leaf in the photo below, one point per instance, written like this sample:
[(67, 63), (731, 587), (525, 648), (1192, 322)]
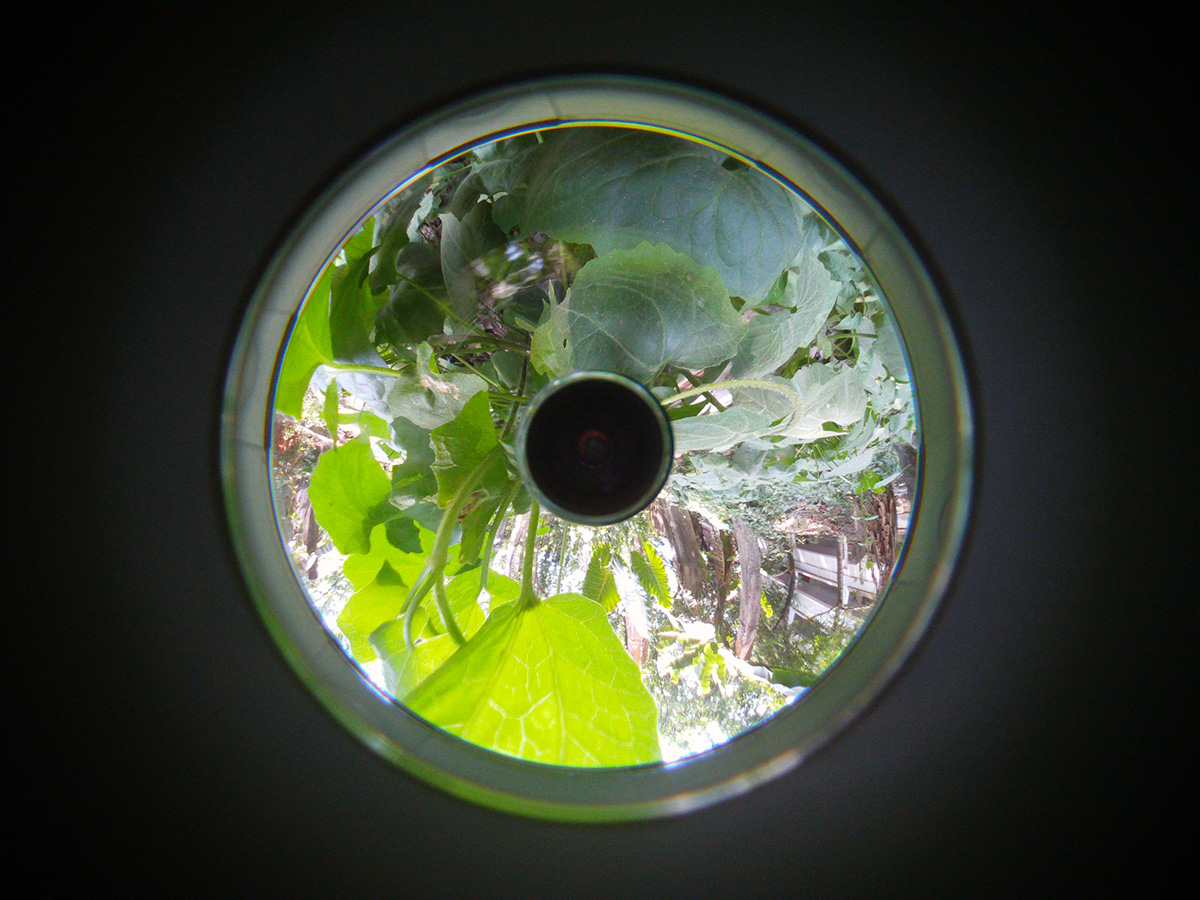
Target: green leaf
[(637, 311), (382, 578), (599, 583), (781, 406), (830, 394), (464, 244), (887, 350), (330, 410), (404, 669), (413, 478), (460, 447), (462, 592), (808, 288), (416, 306), (404, 533), (379, 601), (550, 347), (308, 346), (549, 683), (391, 235), (349, 493), (428, 397), (615, 188), (361, 569), (720, 431), (772, 340), (462, 444), (652, 574), (352, 306)]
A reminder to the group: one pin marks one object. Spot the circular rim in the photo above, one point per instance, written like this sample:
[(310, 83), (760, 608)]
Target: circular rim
[(945, 455), (660, 478)]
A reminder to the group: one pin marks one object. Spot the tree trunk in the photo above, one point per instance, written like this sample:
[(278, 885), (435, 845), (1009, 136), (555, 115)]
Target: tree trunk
[(516, 541), (751, 588), (637, 628), (681, 530)]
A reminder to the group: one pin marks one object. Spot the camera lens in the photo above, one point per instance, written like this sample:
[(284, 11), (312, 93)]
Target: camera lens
[(595, 447)]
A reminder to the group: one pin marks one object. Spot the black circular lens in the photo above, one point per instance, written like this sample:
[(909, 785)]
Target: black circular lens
[(595, 447)]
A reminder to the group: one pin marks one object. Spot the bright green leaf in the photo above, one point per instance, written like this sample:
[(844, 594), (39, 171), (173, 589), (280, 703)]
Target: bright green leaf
[(361, 569), (330, 410), (637, 311), (462, 444), (352, 306), (652, 574), (599, 583), (550, 683), (460, 447), (309, 346), (404, 669), (377, 602), (349, 493)]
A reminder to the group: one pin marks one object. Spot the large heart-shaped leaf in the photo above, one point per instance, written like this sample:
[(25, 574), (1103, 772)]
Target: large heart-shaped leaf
[(349, 493), (614, 188), (638, 311), (549, 683)]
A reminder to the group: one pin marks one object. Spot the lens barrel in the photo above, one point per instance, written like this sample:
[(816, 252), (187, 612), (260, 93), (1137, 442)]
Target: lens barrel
[(594, 447)]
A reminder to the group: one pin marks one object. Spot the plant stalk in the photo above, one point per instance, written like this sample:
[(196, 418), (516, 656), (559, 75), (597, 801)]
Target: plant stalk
[(529, 597)]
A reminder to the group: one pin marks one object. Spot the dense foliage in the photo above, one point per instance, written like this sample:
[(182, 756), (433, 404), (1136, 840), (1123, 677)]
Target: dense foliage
[(582, 248)]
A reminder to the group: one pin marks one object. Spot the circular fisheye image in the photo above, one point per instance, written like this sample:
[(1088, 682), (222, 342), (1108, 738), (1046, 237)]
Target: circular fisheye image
[(525, 575)]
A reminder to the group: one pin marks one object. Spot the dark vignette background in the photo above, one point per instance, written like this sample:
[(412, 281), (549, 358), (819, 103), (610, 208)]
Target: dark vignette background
[(1041, 740)]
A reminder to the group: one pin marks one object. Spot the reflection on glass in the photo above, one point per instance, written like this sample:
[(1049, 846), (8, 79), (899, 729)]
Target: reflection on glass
[(583, 249)]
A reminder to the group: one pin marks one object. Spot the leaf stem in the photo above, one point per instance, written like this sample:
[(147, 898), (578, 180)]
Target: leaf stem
[(529, 596), (756, 383), (481, 337), (435, 565), (512, 415), (562, 555), (366, 370), (485, 558)]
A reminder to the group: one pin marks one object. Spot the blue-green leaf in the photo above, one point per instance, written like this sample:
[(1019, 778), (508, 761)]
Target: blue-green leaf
[(615, 188), (638, 311)]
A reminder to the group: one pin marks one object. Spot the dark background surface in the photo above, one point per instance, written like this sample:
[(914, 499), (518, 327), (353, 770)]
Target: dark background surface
[(1043, 737)]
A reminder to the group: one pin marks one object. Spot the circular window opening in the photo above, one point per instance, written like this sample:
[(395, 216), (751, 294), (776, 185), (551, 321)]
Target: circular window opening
[(474, 364)]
